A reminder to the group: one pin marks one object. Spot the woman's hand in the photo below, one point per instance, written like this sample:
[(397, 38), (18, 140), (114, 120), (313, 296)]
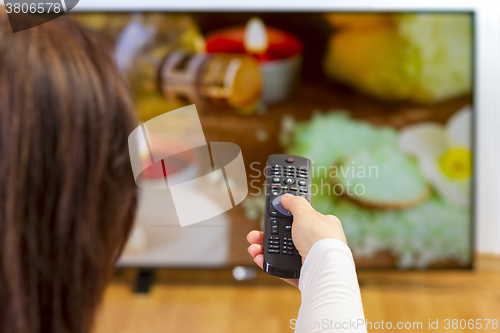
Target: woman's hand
[(308, 227), (256, 250)]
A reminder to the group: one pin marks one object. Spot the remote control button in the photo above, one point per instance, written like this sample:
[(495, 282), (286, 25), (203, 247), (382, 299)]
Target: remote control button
[(289, 248), (303, 168), (273, 242), (275, 187), (274, 231), (289, 181), (275, 193), (273, 251), (273, 212), (274, 222), (303, 190), (289, 160), (302, 183), (276, 203), (293, 188), (276, 180), (274, 238), (276, 247), (288, 228), (302, 176)]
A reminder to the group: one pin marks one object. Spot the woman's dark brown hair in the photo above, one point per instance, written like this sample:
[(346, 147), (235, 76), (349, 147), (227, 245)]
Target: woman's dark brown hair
[(67, 193)]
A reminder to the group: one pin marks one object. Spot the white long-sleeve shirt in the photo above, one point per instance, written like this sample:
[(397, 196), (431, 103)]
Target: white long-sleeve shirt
[(331, 300)]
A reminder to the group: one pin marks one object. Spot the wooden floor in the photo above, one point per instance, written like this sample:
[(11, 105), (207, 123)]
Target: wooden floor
[(212, 301)]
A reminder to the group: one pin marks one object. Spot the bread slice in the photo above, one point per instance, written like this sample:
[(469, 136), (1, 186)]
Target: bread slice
[(382, 177)]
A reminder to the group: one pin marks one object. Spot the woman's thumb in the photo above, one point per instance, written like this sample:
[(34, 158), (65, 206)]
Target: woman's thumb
[(298, 206)]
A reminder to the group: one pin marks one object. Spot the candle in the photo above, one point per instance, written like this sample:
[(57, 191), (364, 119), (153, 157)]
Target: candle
[(255, 39), (279, 55)]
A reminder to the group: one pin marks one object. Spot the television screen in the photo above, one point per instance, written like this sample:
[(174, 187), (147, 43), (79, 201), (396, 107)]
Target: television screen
[(381, 103)]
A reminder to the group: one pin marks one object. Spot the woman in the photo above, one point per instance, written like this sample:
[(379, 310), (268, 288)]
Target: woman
[(67, 193)]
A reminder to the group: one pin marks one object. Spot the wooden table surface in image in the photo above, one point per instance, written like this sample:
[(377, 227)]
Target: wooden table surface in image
[(194, 301), (249, 131)]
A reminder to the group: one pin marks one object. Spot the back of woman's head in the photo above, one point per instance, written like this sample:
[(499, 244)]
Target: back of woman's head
[(67, 193)]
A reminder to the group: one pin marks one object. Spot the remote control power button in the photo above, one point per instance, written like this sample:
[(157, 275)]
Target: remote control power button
[(288, 181), (289, 160), (279, 207)]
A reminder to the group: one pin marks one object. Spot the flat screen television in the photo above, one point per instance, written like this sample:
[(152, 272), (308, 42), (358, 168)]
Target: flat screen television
[(383, 102)]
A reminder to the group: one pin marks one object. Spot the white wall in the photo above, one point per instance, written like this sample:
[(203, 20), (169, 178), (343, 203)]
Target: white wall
[(488, 129)]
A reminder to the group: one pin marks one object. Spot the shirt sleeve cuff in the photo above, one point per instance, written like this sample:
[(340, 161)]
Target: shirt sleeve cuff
[(317, 250)]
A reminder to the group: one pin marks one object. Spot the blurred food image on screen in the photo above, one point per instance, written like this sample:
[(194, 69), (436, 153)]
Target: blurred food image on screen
[(381, 103)]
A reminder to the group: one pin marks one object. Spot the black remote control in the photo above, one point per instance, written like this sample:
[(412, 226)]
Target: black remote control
[(284, 174)]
